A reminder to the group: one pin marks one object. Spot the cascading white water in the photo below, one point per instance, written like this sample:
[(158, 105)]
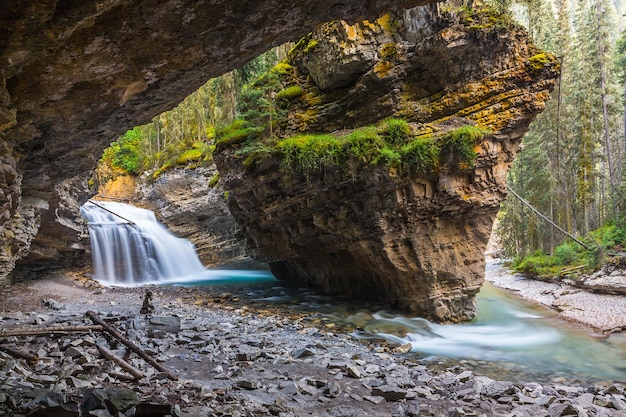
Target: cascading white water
[(130, 247)]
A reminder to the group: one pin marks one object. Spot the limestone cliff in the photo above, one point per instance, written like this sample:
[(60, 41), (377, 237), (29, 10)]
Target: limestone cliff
[(359, 227), (74, 75)]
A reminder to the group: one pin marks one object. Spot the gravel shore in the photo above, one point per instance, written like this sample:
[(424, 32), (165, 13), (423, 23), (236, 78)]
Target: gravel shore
[(605, 313), (233, 361)]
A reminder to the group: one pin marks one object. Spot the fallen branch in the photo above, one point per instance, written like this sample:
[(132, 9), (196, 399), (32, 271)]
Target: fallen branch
[(136, 373), (130, 345), (538, 213), (37, 331), (572, 269), (16, 353)]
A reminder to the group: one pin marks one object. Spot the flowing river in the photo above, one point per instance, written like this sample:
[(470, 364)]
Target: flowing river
[(509, 339)]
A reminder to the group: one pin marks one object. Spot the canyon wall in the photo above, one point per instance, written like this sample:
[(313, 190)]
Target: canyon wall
[(74, 75), (358, 228)]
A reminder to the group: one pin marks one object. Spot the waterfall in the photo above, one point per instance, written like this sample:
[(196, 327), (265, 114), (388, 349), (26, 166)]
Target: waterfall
[(130, 247)]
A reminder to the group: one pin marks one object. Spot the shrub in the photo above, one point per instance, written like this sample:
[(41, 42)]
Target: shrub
[(309, 153), (565, 255), (421, 155), (396, 131), (461, 142), (365, 143)]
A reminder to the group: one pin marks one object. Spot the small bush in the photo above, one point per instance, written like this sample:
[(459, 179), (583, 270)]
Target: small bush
[(565, 255), (421, 155), (397, 131), (365, 143), (461, 142)]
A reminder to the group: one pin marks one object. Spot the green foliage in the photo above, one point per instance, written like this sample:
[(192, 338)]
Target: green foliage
[(214, 180), (308, 153), (289, 93), (396, 131), (124, 153), (570, 256), (565, 255), (390, 143), (190, 155), (462, 141), (421, 155), (539, 61), (365, 143), (236, 133), (611, 236), (388, 156)]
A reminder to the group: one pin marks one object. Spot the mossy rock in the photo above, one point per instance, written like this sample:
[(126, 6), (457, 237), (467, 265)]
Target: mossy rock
[(537, 62)]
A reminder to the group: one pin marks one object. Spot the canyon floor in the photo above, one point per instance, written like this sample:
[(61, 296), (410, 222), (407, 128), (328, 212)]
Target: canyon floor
[(235, 359)]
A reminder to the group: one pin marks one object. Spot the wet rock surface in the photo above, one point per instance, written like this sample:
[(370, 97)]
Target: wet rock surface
[(236, 361)]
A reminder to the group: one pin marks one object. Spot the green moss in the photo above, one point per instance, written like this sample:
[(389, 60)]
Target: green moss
[(289, 93), (310, 46), (365, 143), (396, 131), (190, 155), (214, 180), (537, 62), (282, 68), (236, 133), (309, 153), (389, 157)]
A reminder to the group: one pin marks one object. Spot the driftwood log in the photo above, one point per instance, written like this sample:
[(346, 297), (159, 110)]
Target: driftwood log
[(17, 353), (130, 345), (136, 373), (37, 331)]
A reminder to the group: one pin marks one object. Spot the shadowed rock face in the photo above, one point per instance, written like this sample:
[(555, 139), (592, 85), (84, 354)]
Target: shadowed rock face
[(413, 241), (74, 74)]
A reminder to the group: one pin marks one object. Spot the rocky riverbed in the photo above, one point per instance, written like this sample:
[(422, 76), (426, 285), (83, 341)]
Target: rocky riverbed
[(233, 360)]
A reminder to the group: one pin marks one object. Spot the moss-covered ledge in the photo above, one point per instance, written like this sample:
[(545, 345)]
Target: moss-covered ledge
[(383, 180)]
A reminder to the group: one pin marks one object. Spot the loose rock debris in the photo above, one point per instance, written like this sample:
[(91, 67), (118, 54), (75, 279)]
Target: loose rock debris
[(233, 362)]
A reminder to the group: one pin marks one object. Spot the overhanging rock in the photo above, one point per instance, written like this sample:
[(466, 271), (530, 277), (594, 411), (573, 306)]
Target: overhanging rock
[(358, 228)]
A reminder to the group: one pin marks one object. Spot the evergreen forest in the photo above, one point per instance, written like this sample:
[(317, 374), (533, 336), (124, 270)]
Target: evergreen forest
[(566, 209)]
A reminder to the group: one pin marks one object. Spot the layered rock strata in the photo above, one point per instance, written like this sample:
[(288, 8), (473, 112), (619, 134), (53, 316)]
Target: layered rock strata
[(413, 241), (74, 75)]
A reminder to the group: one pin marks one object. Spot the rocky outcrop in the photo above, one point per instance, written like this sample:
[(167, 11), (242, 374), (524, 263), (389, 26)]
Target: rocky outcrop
[(415, 240), (194, 210), (74, 75)]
